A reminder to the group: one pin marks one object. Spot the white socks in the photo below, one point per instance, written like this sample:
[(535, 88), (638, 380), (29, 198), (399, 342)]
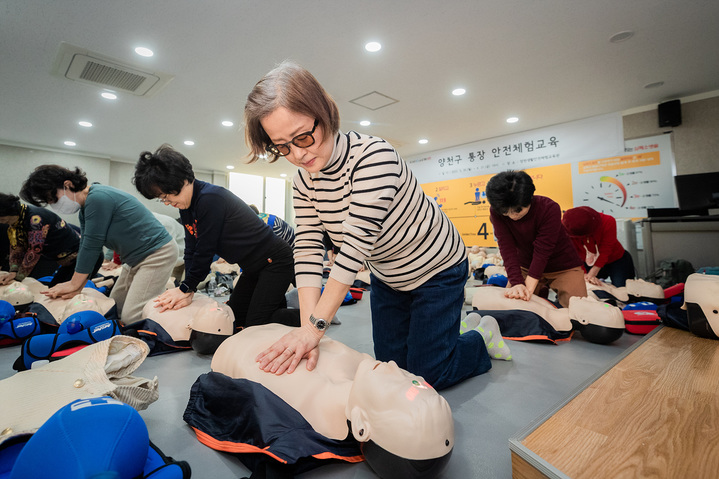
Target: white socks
[(489, 329)]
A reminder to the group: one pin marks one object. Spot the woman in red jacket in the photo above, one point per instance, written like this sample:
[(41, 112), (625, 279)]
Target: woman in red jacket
[(594, 236)]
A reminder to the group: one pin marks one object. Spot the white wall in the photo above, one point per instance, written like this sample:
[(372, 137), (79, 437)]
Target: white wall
[(16, 163)]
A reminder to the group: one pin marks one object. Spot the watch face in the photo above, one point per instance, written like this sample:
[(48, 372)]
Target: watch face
[(321, 324)]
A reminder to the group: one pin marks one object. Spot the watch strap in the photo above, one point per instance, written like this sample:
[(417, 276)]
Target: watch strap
[(314, 321)]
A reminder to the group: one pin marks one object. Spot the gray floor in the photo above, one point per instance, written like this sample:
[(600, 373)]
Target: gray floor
[(488, 409)]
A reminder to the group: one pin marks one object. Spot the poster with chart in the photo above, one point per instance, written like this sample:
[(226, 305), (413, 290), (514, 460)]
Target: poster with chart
[(626, 186)]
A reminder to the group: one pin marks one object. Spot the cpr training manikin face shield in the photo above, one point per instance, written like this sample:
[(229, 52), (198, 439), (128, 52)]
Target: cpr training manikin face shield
[(701, 300), (404, 425)]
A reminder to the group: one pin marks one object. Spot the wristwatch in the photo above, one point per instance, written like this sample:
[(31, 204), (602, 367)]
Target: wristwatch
[(320, 324), (185, 289)]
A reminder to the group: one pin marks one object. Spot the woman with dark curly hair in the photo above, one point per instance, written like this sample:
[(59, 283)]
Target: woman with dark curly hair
[(36, 233), (534, 245), (219, 223), (114, 219)]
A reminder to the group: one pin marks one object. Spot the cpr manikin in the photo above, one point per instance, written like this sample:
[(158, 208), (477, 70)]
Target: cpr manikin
[(205, 323), (701, 301), (635, 289), (404, 426), (598, 322), (30, 290)]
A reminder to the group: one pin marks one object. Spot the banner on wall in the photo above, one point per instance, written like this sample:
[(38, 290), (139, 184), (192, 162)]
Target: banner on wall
[(464, 200), (623, 186), (596, 137)]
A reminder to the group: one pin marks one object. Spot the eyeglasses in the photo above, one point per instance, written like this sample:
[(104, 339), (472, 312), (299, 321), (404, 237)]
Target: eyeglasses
[(163, 199), (303, 140)]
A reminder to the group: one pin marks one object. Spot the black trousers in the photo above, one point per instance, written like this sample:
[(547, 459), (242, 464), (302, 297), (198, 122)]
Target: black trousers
[(259, 296), (619, 271)]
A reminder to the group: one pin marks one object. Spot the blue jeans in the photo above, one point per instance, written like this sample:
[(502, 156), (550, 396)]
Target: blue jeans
[(419, 329)]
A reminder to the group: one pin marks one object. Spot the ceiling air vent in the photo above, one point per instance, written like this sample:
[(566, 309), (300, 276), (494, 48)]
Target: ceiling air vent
[(93, 68)]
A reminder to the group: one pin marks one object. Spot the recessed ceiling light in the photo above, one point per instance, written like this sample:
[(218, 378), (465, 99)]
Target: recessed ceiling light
[(109, 95), (144, 52), (230, 167), (656, 84), (365, 123), (283, 175), (86, 124), (423, 141), (621, 36), (512, 119), (459, 91), (373, 47), (70, 143), (227, 123), (189, 142)]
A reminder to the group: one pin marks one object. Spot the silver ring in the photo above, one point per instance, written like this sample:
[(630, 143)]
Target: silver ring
[(291, 352)]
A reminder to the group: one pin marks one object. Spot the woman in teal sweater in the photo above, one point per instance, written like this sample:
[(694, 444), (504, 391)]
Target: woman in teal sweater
[(114, 219)]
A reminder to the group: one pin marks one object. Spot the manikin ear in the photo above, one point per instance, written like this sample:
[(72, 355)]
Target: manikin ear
[(361, 429)]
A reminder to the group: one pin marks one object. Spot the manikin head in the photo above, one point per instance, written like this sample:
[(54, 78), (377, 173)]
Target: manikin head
[(211, 325), (644, 289), (80, 302), (205, 323), (701, 300), (598, 322), (17, 294), (404, 425)]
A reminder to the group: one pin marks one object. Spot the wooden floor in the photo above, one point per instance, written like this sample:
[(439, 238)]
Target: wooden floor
[(655, 414)]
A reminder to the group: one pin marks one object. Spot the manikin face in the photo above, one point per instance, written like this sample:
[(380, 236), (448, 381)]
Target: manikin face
[(282, 125), (80, 302), (590, 311), (181, 200), (399, 411), (515, 214)]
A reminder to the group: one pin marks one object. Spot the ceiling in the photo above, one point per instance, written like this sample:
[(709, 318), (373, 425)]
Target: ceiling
[(544, 61)]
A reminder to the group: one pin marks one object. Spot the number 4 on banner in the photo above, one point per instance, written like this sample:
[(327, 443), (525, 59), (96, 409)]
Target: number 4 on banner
[(483, 231)]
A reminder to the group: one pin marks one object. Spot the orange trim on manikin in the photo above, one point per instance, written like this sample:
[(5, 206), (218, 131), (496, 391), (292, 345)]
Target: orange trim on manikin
[(329, 455), (235, 447), (539, 337)]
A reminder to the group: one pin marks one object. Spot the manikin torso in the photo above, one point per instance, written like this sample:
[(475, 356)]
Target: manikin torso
[(583, 310), (320, 395), (395, 409)]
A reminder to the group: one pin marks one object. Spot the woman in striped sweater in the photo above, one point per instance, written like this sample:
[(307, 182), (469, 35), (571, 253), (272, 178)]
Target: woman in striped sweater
[(359, 191)]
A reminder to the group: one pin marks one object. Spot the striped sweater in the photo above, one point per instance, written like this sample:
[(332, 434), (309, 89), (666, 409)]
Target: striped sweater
[(374, 210)]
